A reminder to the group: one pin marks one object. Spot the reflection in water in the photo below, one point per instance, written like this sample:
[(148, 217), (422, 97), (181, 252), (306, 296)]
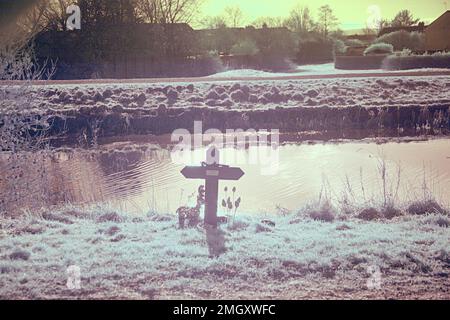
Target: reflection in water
[(34, 180), (139, 178)]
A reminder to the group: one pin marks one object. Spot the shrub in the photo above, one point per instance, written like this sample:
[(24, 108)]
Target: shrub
[(21, 129), (276, 43), (390, 212), (403, 40), (54, 217), (404, 61), (109, 217), (424, 207), (245, 48), (369, 214), (404, 53), (339, 47), (354, 43), (379, 48), (326, 212), (315, 51), (205, 65), (238, 225)]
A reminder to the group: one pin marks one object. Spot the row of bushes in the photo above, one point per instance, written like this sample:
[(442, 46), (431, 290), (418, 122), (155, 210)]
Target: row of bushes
[(385, 44), (368, 62), (247, 54), (405, 43), (398, 61), (127, 67), (402, 61), (400, 40), (302, 51), (379, 48), (265, 48)]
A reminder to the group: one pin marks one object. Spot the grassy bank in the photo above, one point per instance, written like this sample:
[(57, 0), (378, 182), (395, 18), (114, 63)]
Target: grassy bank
[(341, 106), (148, 257)]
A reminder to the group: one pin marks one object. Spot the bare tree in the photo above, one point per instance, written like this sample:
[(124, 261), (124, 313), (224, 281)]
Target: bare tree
[(404, 19), (176, 11), (234, 16), (369, 31), (327, 20), (231, 17), (383, 23), (148, 10), (101, 13), (270, 22), (45, 15), (33, 19), (300, 20), (215, 22), (21, 128), (167, 11), (11, 11), (55, 14)]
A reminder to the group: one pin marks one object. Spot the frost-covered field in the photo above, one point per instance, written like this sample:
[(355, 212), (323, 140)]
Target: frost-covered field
[(122, 257), (140, 97), (327, 106)]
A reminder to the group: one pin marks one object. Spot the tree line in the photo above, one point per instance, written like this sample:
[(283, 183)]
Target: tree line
[(51, 15), (312, 39)]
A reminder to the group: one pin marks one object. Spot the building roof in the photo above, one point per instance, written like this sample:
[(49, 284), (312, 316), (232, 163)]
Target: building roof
[(245, 29), (419, 28), (362, 37), (445, 15)]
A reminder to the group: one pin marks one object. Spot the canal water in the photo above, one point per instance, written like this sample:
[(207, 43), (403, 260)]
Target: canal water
[(138, 177)]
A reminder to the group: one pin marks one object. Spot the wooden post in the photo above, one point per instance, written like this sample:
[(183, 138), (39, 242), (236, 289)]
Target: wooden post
[(211, 171)]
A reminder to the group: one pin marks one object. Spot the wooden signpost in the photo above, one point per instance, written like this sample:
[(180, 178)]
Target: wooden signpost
[(211, 171)]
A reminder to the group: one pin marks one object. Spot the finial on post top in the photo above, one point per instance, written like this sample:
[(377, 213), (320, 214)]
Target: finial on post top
[(212, 156)]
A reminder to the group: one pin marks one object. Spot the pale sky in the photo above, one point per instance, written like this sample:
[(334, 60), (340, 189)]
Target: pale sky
[(352, 14)]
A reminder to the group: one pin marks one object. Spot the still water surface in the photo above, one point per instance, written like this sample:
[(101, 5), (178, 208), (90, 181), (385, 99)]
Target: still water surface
[(138, 177)]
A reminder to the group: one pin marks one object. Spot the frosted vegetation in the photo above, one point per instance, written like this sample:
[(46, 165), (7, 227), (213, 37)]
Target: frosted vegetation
[(403, 40), (148, 257), (321, 251), (371, 92), (406, 60), (22, 128), (111, 109), (379, 48)]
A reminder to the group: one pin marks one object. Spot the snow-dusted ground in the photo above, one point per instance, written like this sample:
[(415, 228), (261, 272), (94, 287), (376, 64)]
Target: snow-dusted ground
[(148, 257), (307, 70), (241, 95), (122, 257)]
